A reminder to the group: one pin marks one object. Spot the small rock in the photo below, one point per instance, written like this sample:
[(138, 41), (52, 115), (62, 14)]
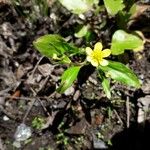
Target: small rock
[(144, 105), (93, 81), (76, 95), (5, 118), (69, 91), (17, 144), (38, 78), (58, 95), (98, 143), (146, 87), (61, 105), (78, 128), (20, 72), (22, 133), (82, 16)]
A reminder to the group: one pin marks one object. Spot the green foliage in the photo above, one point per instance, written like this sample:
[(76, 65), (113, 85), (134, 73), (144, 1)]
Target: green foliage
[(121, 73), (62, 139), (55, 47), (122, 40), (68, 78), (50, 45), (114, 6), (37, 122), (105, 84), (78, 6), (106, 87), (82, 32)]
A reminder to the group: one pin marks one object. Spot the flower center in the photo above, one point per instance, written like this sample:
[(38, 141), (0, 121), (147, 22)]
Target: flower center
[(97, 55)]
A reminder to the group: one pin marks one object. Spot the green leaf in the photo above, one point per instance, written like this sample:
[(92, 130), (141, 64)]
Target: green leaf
[(82, 32), (114, 6), (105, 83), (51, 44), (121, 40), (121, 73), (68, 78), (106, 87), (65, 60), (78, 6)]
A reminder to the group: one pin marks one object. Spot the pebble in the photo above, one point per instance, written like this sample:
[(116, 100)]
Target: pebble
[(69, 91), (22, 133), (92, 80), (17, 144), (146, 87), (143, 104), (5, 118), (76, 95), (99, 144)]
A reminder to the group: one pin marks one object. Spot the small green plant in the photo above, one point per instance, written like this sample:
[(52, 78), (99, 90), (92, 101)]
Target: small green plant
[(61, 52), (62, 139), (38, 122)]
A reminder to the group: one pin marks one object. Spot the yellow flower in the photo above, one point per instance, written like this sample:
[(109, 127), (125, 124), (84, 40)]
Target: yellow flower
[(96, 56)]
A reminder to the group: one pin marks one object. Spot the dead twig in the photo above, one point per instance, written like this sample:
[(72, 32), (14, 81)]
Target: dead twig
[(120, 120), (28, 111), (7, 113), (33, 71), (128, 112), (23, 98), (33, 101)]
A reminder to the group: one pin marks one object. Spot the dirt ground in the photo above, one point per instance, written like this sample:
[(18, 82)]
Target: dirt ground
[(81, 118)]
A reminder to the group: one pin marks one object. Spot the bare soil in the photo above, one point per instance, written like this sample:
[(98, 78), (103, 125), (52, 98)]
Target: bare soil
[(82, 118)]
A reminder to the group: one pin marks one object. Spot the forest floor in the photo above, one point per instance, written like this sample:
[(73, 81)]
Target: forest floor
[(82, 117)]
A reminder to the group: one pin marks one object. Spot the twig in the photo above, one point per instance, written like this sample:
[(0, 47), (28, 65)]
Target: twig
[(23, 98), (29, 109), (120, 120), (36, 65), (33, 101), (44, 108), (35, 93), (128, 112), (4, 91), (44, 83), (6, 113)]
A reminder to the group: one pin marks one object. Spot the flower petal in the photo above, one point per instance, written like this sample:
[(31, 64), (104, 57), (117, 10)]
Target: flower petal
[(104, 62), (98, 46), (88, 50), (89, 58), (94, 63), (106, 52)]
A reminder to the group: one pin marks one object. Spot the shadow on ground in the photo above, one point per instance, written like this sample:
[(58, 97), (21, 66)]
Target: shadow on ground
[(137, 137)]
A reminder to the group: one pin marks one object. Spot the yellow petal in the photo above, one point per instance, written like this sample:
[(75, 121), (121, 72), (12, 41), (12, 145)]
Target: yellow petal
[(94, 63), (106, 52), (104, 62), (88, 50), (98, 46)]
